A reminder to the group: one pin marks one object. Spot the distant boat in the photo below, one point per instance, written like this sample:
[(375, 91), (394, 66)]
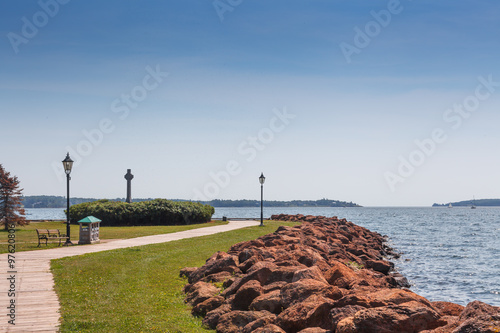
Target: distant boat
[(473, 203), (450, 206)]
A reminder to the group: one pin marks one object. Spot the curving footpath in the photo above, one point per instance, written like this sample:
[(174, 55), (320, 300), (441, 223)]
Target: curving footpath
[(36, 303)]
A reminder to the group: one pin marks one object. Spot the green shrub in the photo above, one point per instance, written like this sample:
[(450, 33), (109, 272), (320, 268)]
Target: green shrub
[(154, 212)]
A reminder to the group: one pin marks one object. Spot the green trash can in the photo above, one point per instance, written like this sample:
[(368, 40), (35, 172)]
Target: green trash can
[(89, 230)]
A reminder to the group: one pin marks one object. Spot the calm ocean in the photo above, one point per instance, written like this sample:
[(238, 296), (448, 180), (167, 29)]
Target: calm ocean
[(449, 254)]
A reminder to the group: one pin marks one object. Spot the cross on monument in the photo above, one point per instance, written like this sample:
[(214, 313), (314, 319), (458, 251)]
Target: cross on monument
[(129, 176)]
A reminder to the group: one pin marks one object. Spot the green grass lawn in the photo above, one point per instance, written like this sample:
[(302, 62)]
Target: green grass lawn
[(27, 240), (138, 289)]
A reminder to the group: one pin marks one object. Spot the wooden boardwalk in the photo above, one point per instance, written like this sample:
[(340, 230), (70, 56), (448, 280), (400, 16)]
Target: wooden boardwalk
[(36, 303)]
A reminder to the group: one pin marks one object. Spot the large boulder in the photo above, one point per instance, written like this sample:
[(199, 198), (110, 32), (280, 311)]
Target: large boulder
[(202, 308), (212, 318), (404, 318), (340, 275), (479, 317), (312, 312), (270, 302), (448, 308), (259, 323), (219, 262), (200, 291), (299, 291), (309, 273), (246, 294), (235, 321)]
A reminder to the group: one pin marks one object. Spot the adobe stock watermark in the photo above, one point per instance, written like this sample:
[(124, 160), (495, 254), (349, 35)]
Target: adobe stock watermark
[(30, 26), (248, 150), (454, 118), (223, 6), (364, 36), (121, 107)]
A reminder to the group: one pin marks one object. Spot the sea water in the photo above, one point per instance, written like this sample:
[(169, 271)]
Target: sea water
[(448, 254)]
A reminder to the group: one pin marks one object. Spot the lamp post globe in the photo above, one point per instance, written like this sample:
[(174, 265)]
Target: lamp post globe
[(262, 180), (68, 165)]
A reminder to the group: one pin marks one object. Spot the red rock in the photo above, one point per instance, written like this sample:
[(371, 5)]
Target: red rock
[(340, 275), (208, 305), (398, 280), (219, 262), (269, 329), (352, 248), (448, 309), (479, 317), (308, 256), (260, 265), (247, 264), (313, 231), (481, 324), (261, 271), (338, 314), (274, 286), (187, 271), (232, 286), (355, 299), (237, 248), (476, 308), (451, 324), (347, 325), (381, 266), (217, 277), (200, 292), (313, 312), (366, 277), (283, 273), (246, 294), (259, 323), (309, 218), (270, 302), (235, 321), (226, 284), (404, 318), (299, 291), (397, 296), (246, 254), (290, 231), (212, 317), (290, 263), (313, 273)]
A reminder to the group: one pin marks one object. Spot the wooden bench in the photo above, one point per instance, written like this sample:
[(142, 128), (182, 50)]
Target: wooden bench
[(50, 235)]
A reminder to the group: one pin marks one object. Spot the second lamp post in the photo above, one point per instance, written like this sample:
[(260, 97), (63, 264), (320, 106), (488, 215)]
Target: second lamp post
[(262, 179), (68, 164)]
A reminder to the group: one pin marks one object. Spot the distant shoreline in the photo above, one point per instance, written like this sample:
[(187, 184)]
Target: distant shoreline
[(45, 201), (470, 203)]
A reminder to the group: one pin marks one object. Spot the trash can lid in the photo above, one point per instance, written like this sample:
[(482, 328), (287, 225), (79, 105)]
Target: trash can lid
[(89, 219)]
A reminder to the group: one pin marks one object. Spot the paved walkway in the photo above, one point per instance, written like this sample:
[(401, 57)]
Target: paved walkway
[(36, 303)]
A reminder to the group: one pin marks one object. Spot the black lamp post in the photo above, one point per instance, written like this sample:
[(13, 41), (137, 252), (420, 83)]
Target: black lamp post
[(262, 179), (68, 164)]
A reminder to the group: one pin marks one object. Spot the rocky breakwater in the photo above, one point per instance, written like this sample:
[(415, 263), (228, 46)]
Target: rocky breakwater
[(324, 275)]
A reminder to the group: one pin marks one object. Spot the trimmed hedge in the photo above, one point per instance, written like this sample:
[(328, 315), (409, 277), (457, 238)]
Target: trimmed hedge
[(154, 212)]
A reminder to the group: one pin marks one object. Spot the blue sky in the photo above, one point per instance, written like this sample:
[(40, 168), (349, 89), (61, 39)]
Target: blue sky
[(268, 88)]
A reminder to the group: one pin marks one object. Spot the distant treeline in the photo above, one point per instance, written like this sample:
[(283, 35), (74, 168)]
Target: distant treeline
[(293, 203), (48, 201), (468, 203)]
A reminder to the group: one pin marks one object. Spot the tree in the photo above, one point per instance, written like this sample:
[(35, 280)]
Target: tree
[(11, 211)]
